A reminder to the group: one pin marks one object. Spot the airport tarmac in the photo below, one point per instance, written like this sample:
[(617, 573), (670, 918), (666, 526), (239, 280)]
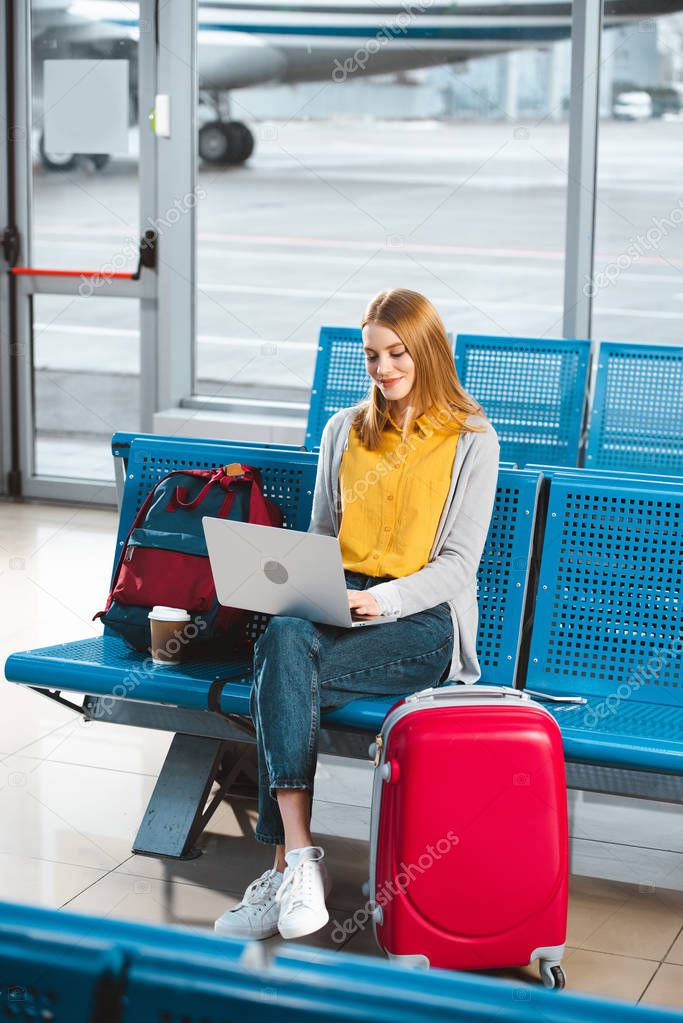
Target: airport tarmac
[(326, 214)]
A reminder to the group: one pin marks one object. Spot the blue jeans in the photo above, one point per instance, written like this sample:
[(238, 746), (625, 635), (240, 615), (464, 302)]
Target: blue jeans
[(302, 668)]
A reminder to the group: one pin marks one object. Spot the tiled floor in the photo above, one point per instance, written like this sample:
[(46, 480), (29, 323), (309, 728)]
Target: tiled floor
[(72, 797)]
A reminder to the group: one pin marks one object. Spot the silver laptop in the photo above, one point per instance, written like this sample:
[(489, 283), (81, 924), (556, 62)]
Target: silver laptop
[(282, 572)]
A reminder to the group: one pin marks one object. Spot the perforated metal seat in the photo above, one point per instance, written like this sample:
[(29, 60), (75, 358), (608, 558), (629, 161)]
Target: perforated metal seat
[(340, 379), (106, 666), (637, 417), (635, 735), (533, 391), (64, 966), (609, 620)]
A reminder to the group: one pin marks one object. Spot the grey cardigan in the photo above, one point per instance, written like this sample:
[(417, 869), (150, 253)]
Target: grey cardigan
[(451, 571)]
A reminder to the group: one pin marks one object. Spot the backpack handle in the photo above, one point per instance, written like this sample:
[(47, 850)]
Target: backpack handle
[(179, 493), (258, 506), (225, 476)]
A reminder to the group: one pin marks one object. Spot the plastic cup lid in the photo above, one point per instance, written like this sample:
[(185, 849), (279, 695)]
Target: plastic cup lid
[(169, 614)]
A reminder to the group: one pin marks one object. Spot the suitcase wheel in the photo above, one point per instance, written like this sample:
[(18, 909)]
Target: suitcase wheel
[(552, 975)]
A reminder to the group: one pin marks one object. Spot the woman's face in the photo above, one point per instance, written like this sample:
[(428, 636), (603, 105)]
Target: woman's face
[(388, 361)]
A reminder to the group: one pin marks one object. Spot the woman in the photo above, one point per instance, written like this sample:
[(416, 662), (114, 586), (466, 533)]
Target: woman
[(406, 480)]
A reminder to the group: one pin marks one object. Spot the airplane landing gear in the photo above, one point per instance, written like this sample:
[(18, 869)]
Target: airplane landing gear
[(221, 141), (225, 142)]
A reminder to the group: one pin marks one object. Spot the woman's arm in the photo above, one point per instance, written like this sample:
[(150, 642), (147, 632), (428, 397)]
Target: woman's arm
[(321, 512), (458, 561)]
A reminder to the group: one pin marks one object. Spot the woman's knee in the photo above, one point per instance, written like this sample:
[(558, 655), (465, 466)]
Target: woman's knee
[(284, 630), (285, 642)]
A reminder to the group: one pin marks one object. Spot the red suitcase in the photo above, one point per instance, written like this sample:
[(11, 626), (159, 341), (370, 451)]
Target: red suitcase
[(469, 840)]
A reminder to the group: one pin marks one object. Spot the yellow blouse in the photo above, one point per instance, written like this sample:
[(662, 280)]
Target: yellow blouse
[(392, 498)]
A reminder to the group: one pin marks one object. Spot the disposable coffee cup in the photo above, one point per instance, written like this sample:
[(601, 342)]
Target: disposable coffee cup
[(167, 625)]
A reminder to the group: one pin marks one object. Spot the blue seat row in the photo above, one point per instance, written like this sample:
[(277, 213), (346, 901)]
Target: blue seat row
[(579, 590), (105, 665), (122, 685), (536, 391), (66, 967), (532, 389)]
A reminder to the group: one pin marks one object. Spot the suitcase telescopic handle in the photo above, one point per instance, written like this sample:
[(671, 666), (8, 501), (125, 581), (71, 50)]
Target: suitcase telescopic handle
[(468, 691)]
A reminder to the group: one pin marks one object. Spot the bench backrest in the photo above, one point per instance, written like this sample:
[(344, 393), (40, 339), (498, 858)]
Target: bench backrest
[(608, 616), (637, 415), (615, 474), (476, 992), (532, 389), (288, 476), (340, 379), (504, 577), (50, 976), (289, 479), (121, 442)]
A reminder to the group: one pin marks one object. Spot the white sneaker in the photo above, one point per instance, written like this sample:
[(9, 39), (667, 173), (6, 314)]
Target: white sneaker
[(257, 914), (302, 894)]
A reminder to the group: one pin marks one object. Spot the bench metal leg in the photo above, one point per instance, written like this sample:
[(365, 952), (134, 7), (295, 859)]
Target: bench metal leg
[(177, 812)]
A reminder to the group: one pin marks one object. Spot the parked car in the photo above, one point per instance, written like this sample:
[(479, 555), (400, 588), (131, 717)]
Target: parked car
[(633, 106)]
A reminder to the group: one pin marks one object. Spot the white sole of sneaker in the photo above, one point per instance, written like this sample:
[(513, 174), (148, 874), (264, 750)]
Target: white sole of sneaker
[(298, 929), (242, 935)]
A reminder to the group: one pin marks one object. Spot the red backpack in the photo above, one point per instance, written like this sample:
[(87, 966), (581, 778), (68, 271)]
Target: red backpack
[(165, 561)]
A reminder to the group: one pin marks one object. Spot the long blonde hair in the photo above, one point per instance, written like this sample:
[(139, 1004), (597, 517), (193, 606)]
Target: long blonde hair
[(417, 324)]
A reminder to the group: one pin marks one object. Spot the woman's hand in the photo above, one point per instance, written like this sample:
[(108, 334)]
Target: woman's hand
[(363, 603)]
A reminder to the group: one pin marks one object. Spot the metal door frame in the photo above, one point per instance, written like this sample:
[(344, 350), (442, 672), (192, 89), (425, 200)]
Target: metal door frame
[(6, 431), (166, 168)]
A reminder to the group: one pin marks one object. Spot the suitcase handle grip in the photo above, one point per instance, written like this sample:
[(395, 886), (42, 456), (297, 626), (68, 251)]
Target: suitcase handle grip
[(447, 692)]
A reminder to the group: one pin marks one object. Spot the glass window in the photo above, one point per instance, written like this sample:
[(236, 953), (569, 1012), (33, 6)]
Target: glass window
[(86, 358), (388, 150), (637, 284), (86, 209)]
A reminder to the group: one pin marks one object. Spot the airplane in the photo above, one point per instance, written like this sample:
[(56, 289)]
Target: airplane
[(243, 43)]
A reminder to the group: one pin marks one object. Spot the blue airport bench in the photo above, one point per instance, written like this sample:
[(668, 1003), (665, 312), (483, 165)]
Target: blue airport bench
[(608, 625), (67, 967), (120, 687), (636, 421), (533, 390)]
